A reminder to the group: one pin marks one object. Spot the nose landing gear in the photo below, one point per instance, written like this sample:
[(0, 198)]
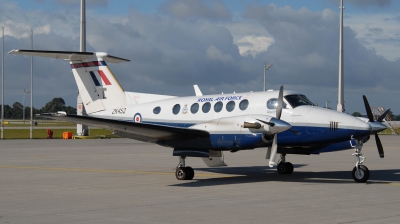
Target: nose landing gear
[(360, 172), (284, 167), (183, 172)]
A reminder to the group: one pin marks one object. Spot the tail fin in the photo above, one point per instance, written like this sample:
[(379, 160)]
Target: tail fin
[(97, 85)]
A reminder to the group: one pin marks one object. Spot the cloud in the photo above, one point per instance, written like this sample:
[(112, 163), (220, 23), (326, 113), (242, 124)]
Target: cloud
[(78, 2), (214, 53), (373, 30), (194, 9), (376, 30), (367, 3), (23, 30), (170, 52), (253, 45)]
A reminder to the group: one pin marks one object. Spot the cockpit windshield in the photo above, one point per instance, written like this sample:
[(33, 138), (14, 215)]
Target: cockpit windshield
[(298, 100)]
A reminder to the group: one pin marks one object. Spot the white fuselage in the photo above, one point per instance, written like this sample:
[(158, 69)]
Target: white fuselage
[(314, 124)]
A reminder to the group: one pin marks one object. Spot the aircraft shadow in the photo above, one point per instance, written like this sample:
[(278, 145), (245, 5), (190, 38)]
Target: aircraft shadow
[(266, 174)]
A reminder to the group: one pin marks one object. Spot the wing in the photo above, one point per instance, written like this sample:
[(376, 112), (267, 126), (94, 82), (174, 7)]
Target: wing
[(139, 131)]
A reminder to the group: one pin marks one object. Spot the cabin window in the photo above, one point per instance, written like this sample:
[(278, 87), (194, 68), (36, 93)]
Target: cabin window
[(194, 108), (218, 106), (298, 100), (176, 109), (243, 104), (273, 103), (157, 110), (230, 106), (206, 107)]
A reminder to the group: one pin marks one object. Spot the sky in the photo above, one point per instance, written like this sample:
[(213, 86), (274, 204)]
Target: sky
[(220, 45)]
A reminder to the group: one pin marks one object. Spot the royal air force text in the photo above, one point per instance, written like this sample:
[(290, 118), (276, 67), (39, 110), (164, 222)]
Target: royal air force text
[(211, 99)]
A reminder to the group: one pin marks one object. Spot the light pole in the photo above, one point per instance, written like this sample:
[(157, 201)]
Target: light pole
[(340, 104), (266, 67), (2, 88), (23, 104), (31, 113)]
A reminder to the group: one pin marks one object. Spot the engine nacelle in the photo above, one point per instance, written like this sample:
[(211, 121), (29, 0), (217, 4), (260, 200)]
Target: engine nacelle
[(238, 132)]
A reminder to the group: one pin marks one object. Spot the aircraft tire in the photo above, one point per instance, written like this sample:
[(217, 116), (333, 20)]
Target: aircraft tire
[(190, 173), (289, 167), (181, 173), (362, 176), (282, 168)]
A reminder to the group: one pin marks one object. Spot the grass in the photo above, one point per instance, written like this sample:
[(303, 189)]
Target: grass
[(40, 123), (57, 133), (388, 131)]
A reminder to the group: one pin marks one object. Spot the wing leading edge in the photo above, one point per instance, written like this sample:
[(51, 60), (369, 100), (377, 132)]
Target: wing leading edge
[(139, 131)]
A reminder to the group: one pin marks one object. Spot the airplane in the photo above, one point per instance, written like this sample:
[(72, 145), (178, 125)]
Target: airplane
[(284, 122)]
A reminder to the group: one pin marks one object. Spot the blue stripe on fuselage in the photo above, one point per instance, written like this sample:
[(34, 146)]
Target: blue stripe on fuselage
[(307, 136), (317, 135)]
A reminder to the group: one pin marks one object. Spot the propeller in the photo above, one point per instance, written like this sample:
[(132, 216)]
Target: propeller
[(380, 118), (376, 126), (274, 148)]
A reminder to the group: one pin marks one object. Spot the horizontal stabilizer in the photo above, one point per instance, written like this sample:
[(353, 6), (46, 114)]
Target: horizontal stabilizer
[(69, 55)]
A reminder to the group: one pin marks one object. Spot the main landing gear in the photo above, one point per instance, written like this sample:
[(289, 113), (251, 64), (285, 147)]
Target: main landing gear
[(284, 167), (360, 172), (183, 172)]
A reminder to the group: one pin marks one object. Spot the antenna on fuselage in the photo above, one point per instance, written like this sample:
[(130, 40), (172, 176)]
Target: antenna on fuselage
[(340, 105), (197, 90)]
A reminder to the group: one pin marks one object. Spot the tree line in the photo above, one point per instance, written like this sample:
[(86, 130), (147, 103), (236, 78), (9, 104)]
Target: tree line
[(394, 117), (56, 104)]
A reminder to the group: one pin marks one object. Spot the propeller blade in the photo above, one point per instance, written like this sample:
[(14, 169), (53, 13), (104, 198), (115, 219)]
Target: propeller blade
[(280, 102), (274, 150), (376, 125), (379, 145), (380, 119), (368, 109)]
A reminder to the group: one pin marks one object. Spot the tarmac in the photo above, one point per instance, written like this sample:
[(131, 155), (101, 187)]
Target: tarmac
[(126, 181)]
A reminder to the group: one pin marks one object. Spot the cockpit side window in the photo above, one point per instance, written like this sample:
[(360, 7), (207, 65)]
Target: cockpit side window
[(298, 100), (273, 103)]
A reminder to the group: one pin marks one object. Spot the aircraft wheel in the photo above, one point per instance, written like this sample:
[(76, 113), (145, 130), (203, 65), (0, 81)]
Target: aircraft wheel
[(282, 168), (190, 173), (289, 167), (362, 175), (181, 173)]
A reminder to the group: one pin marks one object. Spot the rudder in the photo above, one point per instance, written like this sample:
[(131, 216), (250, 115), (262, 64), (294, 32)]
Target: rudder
[(97, 85)]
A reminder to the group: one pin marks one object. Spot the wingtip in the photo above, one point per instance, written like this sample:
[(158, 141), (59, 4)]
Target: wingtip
[(13, 51)]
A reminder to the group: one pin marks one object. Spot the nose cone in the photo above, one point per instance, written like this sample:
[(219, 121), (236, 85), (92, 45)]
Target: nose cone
[(280, 126), (361, 128), (377, 126)]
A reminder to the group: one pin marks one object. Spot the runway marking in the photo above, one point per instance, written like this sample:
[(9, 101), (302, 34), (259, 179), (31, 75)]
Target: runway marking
[(109, 171)]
